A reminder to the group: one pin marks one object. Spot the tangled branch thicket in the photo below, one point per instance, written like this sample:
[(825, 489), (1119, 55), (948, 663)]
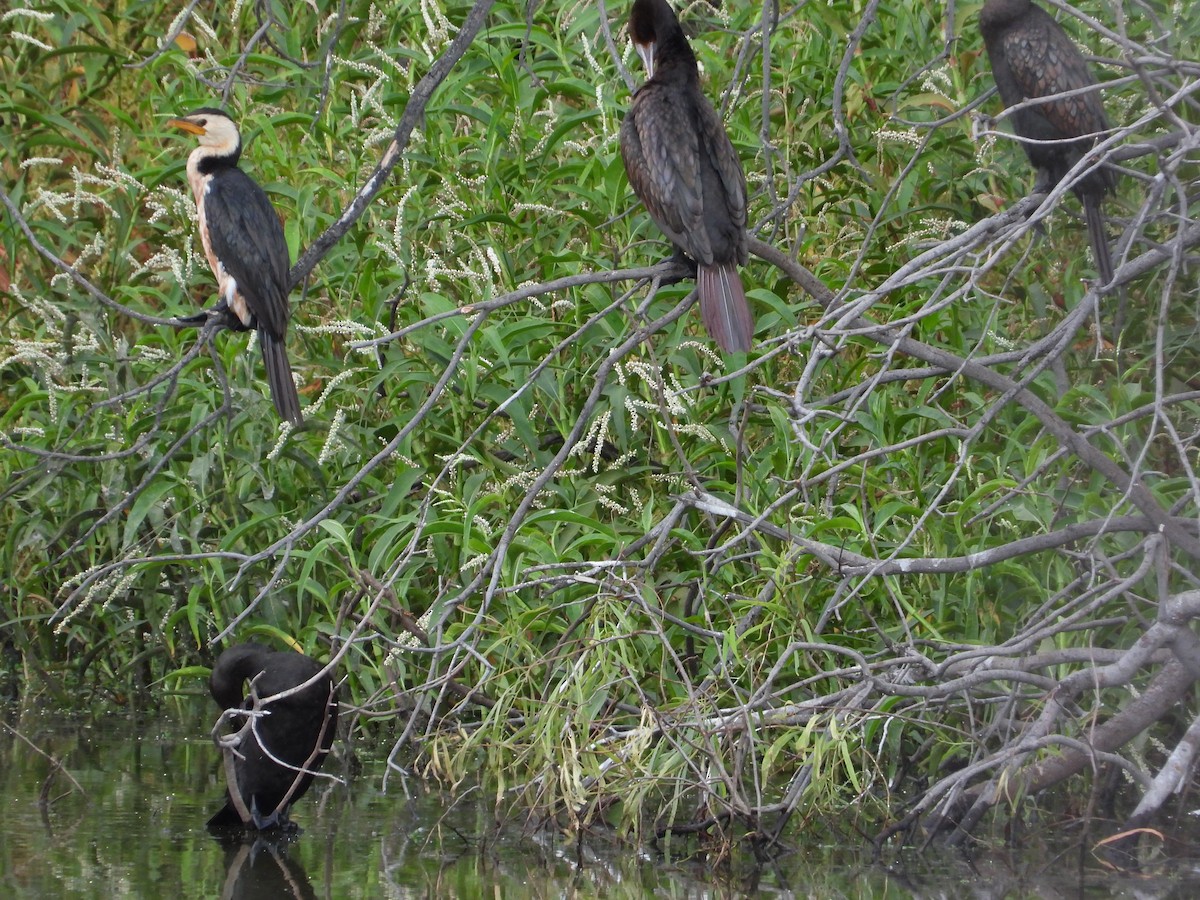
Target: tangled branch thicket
[(929, 550)]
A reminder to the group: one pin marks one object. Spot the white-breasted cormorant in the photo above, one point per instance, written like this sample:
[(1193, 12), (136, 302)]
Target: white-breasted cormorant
[(243, 240)]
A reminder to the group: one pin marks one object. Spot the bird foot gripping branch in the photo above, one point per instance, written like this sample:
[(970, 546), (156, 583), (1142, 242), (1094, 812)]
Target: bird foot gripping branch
[(213, 314)]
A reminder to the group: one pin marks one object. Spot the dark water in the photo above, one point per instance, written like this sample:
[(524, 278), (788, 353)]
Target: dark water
[(133, 826)]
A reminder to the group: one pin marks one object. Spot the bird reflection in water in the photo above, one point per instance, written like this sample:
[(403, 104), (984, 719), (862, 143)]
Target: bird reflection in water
[(258, 867)]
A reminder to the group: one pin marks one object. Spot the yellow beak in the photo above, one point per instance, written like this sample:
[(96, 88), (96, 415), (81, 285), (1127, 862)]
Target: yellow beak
[(185, 125)]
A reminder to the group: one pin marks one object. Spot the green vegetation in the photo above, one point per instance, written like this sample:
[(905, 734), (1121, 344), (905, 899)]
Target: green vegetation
[(553, 538)]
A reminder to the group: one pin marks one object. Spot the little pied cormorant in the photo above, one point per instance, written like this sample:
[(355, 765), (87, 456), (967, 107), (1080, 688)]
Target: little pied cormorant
[(1032, 58), (243, 240), (686, 172), (273, 759)]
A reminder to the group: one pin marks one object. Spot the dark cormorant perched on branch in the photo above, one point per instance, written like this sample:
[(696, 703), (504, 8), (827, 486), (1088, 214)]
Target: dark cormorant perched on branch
[(1032, 58), (683, 167), (245, 246), (270, 762)]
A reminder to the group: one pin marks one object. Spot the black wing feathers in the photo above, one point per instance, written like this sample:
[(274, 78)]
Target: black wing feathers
[(247, 237)]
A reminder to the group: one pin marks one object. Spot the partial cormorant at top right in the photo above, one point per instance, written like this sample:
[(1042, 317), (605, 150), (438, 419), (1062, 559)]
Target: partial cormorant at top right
[(1032, 58)]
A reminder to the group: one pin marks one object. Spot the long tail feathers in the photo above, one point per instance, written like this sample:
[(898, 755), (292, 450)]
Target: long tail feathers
[(279, 377), (1098, 238), (723, 307)]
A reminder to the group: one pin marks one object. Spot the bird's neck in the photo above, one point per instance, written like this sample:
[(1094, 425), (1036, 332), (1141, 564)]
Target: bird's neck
[(206, 160), (232, 672), (202, 164), (674, 59)]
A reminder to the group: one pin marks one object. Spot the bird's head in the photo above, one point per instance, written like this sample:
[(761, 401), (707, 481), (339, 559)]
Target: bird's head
[(659, 39), (213, 129), (642, 31)]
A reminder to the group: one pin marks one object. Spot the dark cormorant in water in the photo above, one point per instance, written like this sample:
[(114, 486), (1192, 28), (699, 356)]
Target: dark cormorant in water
[(245, 246), (1032, 57), (683, 167), (297, 731)]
